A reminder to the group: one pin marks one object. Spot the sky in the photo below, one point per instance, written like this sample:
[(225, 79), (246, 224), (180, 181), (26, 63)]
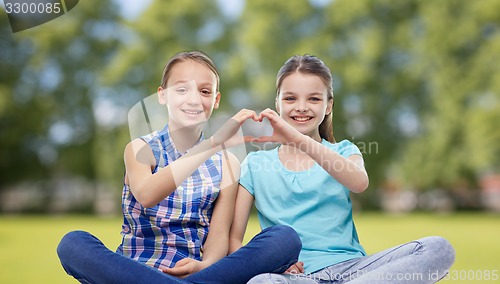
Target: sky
[(132, 9)]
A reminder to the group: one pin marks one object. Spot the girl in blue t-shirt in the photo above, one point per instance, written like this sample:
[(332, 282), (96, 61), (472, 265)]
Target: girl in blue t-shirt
[(178, 198), (305, 183)]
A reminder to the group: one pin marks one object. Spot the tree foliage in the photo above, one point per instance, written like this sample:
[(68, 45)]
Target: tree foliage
[(417, 83), (49, 89)]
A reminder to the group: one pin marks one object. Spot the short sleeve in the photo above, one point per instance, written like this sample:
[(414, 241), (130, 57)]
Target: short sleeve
[(246, 174), (347, 148)]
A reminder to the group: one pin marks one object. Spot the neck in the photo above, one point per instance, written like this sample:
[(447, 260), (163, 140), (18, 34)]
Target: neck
[(185, 137), (315, 136), (296, 149)]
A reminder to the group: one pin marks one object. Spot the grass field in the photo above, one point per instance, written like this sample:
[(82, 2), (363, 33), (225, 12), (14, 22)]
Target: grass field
[(28, 243)]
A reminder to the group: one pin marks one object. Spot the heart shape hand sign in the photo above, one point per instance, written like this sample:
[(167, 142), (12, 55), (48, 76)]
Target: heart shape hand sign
[(227, 134)]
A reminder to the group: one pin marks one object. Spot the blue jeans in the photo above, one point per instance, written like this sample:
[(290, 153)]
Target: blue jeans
[(85, 257), (422, 261)]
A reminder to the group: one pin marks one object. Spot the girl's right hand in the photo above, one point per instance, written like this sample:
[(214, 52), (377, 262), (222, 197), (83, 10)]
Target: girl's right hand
[(228, 132)]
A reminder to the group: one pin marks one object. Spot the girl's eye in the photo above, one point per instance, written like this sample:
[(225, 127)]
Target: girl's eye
[(206, 92), (289, 99), (315, 99), (181, 90)]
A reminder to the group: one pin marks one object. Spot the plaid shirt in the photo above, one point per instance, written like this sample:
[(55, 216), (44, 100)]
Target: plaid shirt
[(176, 227)]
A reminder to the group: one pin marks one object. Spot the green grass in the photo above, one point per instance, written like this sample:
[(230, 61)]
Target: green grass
[(28, 243)]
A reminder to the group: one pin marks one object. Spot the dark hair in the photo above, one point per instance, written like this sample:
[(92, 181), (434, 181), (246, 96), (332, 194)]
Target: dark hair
[(309, 64), (197, 56)]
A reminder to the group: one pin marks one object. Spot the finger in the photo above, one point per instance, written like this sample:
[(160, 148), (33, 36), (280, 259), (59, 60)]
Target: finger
[(300, 266), (245, 114), (258, 117), (266, 139), (178, 268), (271, 115), (248, 139), (268, 111), (176, 271), (292, 270), (182, 262)]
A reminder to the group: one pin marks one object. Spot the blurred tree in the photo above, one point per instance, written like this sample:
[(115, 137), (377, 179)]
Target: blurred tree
[(417, 86), (366, 44), (158, 33), (135, 72), (459, 63), (48, 89), (415, 81)]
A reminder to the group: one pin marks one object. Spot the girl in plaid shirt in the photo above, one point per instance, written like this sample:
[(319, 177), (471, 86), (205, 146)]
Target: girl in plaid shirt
[(173, 230)]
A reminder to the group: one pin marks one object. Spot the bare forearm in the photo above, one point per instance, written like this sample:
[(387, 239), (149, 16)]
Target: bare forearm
[(244, 203), (166, 180), (348, 173), (214, 250), (234, 245)]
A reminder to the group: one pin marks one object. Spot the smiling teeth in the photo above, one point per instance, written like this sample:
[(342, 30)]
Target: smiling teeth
[(302, 118), (191, 112)]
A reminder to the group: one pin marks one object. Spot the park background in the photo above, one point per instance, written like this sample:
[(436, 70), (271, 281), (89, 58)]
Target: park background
[(417, 88)]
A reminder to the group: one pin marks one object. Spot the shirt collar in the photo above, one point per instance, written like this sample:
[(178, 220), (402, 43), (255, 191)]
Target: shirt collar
[(170, 146)]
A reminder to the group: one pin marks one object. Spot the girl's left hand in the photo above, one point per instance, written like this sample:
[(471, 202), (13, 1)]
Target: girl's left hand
[(184, 267), (296, 268), (283, 132)]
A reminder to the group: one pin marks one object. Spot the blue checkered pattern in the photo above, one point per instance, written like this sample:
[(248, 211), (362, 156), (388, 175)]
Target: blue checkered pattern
[(176, 227)]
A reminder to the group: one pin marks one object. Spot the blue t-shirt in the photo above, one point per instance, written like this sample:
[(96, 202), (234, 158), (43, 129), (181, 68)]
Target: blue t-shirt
[(316, 205)]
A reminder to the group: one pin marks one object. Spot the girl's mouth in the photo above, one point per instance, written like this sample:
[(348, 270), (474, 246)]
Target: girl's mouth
[(302, 118), (191, 112)]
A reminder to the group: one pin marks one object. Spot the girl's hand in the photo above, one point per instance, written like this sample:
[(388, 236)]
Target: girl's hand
[(283, 132), (185, 267), (228, 133), (296, 268)]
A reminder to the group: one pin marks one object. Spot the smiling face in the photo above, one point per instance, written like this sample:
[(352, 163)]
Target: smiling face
[(190, 95), (302, 102)]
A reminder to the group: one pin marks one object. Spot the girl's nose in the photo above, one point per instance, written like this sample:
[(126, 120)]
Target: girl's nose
[(301, 107), (193, 97)]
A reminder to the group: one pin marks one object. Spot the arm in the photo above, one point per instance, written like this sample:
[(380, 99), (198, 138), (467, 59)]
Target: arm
[(148, 188), (244, 202), (350, 171), (217, 243)]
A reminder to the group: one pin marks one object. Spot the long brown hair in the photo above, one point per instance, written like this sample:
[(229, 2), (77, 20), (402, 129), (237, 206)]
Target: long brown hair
[(197, 56), (309, 64)]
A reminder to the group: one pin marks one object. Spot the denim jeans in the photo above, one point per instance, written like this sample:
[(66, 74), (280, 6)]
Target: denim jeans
[(422, 261), (85, 257)]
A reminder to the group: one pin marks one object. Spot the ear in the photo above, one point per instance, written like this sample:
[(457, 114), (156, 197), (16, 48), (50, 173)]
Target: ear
[(162, 96), (276, 104), (217, 101), (329, 107)]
